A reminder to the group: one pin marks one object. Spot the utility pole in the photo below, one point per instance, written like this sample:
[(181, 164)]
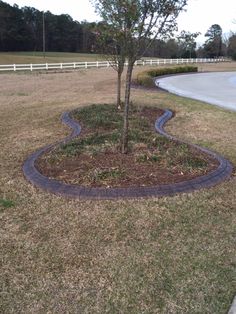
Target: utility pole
[(43, 36)]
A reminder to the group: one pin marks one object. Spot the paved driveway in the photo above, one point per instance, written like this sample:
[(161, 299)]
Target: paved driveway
[(217, 88)]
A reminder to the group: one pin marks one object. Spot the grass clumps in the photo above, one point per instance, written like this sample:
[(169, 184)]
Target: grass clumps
[(146, 78), (104, 174), (5, 203), (92, 143), (99, 116)]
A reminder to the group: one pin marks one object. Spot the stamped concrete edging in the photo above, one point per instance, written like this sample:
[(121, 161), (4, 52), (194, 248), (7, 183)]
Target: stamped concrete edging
[(220, 174)]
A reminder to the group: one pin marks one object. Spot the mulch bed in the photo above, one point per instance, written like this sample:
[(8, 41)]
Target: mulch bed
[(110, 168)]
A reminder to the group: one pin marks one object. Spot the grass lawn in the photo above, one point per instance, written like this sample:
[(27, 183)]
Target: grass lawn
[(167, 255), (50, 57)]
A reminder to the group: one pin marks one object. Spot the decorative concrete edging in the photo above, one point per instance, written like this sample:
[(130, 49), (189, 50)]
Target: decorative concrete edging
[(220, 174)]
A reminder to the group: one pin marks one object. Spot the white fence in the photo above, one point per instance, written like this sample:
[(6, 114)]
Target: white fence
[(99, 64)]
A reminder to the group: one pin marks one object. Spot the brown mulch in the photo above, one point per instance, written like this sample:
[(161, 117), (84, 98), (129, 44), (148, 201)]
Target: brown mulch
[(82, 169)]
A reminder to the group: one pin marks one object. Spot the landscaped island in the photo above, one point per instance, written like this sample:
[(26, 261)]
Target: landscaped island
[(90, 163), (94, 159)]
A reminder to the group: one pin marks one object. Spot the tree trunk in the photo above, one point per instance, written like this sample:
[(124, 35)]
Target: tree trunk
[(124, 143), (118, 102)]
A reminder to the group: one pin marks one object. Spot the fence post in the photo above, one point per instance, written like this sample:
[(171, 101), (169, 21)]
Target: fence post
[(14, 67), (86, 65), (61, 66), (74, 65), (31, 67), (97, 64), (46, 66)]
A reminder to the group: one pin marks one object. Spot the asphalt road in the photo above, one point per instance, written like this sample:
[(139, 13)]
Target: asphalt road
[(217, 88)]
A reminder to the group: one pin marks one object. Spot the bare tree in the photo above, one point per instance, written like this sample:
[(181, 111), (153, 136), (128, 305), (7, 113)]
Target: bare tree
[(109, 45), (136, 22)]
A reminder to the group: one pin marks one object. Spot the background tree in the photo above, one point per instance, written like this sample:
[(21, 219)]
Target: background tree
[(187, 44), (213, 45), (88, 36), (170, 49), (108, 43), (21, 30), (33, 21), (13, 31), (136, 22), (4, 17), (160, 48), (232, 46)]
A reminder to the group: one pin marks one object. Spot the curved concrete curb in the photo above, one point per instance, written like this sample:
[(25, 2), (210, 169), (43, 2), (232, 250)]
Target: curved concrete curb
[(223, 172), (232, 309)]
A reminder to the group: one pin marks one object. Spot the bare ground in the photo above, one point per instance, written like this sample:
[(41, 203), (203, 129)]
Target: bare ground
[(168, 255)]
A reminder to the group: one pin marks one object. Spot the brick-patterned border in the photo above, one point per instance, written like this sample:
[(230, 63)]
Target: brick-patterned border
[(222, 173)]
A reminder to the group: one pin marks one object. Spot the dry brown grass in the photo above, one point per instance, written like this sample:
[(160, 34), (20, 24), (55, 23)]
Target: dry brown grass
[(168, 255), (217, 67)]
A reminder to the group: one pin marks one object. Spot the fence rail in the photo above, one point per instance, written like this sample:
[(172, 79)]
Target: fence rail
[(100, 64)]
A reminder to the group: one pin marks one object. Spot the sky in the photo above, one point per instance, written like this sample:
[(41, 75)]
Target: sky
[(199, 15)]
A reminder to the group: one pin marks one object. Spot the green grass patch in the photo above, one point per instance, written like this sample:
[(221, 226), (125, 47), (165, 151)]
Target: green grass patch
[(5, 203), (102, 116)]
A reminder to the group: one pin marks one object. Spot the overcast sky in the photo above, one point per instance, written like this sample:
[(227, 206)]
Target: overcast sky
[(200, 14)]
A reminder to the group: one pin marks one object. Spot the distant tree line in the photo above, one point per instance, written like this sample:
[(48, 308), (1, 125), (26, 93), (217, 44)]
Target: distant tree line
[(21, 29)]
